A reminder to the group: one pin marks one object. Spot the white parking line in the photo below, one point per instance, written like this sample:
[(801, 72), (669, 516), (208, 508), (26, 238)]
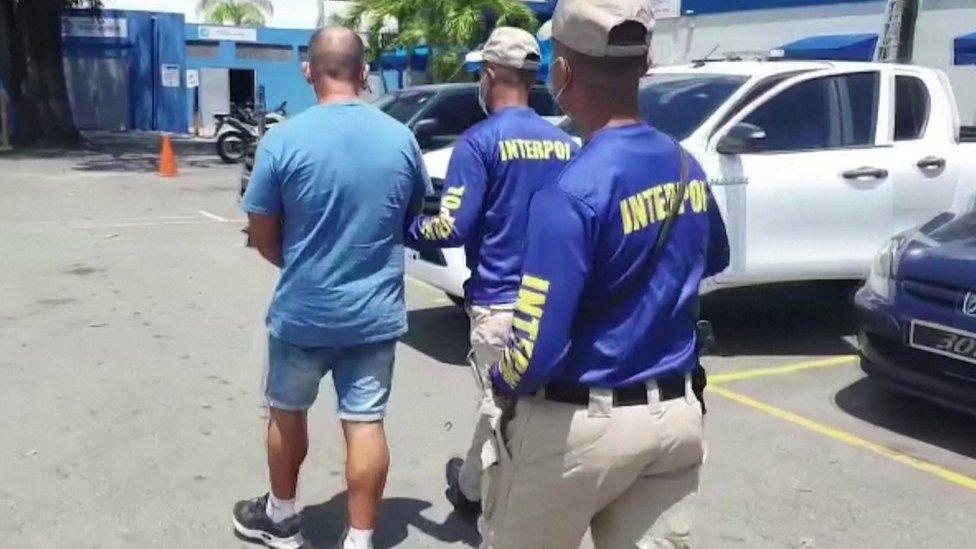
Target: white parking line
[(213, 216), (145, 224)]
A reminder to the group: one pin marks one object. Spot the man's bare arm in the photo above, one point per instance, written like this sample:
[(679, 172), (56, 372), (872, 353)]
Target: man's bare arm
[(266, 236)]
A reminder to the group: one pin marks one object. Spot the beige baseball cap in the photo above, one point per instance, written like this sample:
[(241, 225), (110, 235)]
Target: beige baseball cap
[(512, 47), (584, 26)]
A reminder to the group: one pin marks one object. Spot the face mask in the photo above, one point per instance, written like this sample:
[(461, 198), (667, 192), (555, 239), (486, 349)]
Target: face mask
[(550, 82), (482, 96)]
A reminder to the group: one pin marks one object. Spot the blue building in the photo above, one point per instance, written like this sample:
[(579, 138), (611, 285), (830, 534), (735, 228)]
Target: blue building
[(124, 70), (153, 71), (231, 65)]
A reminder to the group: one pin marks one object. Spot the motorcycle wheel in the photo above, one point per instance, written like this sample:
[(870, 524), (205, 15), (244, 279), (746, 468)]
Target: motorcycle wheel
[(231, 147)]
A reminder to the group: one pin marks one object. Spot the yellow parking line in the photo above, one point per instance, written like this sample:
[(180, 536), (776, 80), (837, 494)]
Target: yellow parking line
[(780, 370), (958, 479)]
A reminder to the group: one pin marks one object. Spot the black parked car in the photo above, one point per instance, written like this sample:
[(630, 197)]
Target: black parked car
[(439, 113)]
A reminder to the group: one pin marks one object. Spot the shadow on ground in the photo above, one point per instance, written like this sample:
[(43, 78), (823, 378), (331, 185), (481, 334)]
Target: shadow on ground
[(873, 401), (136, 152), (807, 319), (323, 524), (440, 333), (790, 319)]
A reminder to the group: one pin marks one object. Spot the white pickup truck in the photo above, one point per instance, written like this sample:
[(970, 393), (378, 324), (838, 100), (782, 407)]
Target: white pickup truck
[(813, 164)]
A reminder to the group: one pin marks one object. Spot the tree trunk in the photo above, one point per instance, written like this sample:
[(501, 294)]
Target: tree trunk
[(46, 70), (32, 69), (13, 72)]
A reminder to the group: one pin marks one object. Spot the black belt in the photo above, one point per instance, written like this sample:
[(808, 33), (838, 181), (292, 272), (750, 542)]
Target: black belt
[(670, 386)]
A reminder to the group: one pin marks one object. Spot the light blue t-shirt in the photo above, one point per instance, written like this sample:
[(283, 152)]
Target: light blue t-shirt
[(342, 177)]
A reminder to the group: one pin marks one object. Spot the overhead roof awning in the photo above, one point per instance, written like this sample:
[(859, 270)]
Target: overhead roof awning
[(965, 49), (401, 58), (542, 8), (833, 47)]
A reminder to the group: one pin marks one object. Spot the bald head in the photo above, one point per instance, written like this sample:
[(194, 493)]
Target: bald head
[(336, 53)]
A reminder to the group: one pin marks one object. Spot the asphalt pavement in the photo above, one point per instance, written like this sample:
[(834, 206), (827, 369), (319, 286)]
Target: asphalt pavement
[(131, 348)]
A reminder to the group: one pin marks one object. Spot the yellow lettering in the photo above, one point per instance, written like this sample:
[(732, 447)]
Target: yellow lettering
[(526, 345), (511, 149), (451, 202), (521, 361), (508, 375), (648, 204), (547, 149), (535, 283), (625, 217), (530, 327), (530, 303), (703, 193), (639, 212), (694, 196), (501, 151), (660, 213)]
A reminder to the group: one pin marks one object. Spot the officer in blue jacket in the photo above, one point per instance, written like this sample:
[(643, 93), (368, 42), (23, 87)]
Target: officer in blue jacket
[(606, 433), (495, 168)]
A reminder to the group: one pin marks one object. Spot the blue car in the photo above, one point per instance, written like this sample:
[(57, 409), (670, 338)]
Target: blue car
[(917, 312)]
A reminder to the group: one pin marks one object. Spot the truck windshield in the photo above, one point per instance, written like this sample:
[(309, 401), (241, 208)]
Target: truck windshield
[(677, 104), (403, 105)]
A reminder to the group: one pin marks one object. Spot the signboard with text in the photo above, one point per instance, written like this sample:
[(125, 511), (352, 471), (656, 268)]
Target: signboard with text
[(90, 27), (234, 34), (170, 76), (666, 9)]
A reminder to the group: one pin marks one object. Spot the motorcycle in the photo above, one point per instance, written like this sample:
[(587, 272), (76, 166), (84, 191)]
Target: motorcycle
[(242, 130)]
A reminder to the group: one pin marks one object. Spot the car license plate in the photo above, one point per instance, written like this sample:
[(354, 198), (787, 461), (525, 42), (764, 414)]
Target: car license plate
[(943, 340)]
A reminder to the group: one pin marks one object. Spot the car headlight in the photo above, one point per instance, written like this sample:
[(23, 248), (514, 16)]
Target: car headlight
[(883, 268)]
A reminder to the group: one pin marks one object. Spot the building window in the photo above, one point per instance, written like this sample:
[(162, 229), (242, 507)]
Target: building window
[(199, 49), (265, 52)]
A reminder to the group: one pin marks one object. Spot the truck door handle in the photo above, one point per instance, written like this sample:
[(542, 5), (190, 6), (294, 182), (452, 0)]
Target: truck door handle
[(931, 163), (865, 172)]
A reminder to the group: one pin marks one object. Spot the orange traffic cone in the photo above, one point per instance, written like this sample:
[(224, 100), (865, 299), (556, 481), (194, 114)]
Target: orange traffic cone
[(167, 160)]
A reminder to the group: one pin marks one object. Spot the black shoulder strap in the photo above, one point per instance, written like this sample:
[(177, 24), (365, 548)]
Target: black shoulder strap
[(663, 235)]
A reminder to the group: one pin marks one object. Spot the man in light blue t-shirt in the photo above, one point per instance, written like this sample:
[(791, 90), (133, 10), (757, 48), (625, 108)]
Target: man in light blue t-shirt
[(327, 202)]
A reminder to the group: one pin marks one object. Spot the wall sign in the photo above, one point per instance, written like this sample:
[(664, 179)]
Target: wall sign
[(170, 76), (234, 34), (666, 9), (192, 78), (89, 27)]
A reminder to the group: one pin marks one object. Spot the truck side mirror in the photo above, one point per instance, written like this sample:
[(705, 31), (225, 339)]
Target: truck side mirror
[(743, 138)]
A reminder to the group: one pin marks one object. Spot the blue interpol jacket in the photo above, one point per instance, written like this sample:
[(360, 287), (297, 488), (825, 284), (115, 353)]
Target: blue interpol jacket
[(587, 313), (495, 168)]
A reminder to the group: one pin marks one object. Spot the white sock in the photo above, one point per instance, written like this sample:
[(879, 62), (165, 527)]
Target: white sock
[(279, 509), (358, 539)]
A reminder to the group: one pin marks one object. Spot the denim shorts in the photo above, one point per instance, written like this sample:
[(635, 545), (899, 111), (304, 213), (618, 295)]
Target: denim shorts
[(361, 373)]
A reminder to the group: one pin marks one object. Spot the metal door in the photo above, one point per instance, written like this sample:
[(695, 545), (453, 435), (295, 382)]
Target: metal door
[(98, 89), (214, 96)]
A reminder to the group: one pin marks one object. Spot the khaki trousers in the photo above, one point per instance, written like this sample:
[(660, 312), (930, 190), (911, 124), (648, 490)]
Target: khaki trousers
[(629, 474), (490, 327)]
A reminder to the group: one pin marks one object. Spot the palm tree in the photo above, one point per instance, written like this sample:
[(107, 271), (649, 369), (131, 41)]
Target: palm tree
[(239, 13), (448, 27)]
